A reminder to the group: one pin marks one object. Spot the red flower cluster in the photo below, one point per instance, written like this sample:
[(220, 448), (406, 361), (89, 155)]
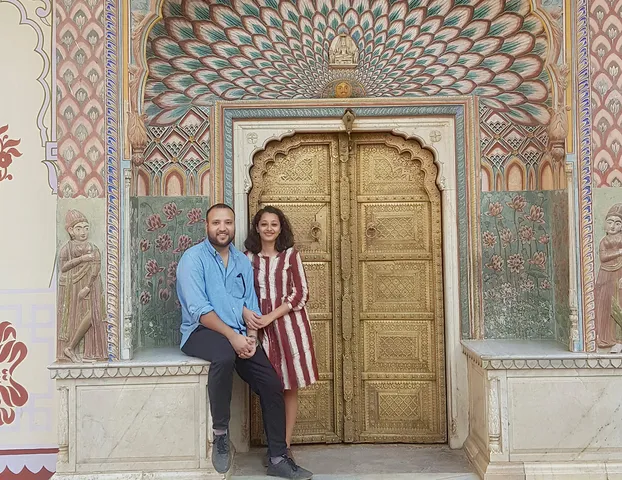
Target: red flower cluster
[(7, 152), (12, 353)]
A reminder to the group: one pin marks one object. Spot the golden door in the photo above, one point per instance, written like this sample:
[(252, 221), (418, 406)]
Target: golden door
[(367, 220)]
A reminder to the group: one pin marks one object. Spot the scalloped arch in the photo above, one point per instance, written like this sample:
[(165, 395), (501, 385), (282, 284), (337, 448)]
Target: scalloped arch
[(198, 51)]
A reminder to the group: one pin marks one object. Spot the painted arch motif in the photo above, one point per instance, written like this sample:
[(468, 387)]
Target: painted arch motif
[(268, 49)]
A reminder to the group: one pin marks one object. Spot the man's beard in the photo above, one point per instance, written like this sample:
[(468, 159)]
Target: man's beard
[(217, 243)]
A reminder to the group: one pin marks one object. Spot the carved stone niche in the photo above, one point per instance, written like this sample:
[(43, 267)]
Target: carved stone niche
[(343, 52), (82, 325)]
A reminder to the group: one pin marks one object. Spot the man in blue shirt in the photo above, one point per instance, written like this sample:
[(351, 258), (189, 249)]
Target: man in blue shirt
[(214, 283)]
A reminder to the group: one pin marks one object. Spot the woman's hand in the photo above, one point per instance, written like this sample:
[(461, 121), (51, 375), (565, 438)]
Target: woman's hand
[(251, 319), (256, 322), (266, 320)]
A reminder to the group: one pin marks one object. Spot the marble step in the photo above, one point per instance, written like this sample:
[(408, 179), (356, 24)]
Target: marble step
[(366, 462), (378, 476)]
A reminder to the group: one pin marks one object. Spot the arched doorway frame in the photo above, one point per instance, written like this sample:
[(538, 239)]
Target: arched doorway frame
[(446, 128)]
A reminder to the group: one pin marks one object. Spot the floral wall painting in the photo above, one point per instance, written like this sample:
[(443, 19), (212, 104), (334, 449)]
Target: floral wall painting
[(8, 152), (165, 228), (12, 394), (82, 325), (607, 298), (517, 265)]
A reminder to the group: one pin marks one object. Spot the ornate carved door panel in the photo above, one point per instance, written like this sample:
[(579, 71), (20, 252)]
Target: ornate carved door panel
[(399, 331), (366, 216), (296, 175)]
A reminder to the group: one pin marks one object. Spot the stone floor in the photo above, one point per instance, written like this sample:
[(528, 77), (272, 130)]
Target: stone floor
[(367, 462)]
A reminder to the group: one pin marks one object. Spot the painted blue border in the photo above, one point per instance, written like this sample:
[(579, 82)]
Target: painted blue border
[(231, 114), (113, 191), (585, 270)]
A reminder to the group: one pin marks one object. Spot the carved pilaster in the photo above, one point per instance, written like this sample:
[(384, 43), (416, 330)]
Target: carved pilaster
[(558, 127), (573, 300), (494, 417), (63, 425), (137, 137)]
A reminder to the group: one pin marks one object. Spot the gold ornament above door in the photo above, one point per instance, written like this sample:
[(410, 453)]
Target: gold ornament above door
[(366, 215)]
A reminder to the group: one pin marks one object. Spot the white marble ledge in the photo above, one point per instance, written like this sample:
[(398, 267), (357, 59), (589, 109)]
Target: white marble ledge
[(534, 354), (151, 362)]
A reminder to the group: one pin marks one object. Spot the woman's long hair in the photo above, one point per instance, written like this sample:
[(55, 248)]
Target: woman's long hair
[(283, 241)]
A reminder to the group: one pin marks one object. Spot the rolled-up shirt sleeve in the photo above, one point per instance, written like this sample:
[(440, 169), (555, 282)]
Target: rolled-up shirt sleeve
[(191, 288), (298, 294), (250, 297)]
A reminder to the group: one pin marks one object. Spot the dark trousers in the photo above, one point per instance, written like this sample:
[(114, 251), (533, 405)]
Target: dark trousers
[(256, 371)]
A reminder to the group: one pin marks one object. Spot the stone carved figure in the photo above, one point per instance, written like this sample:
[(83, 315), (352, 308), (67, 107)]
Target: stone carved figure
[(609, 280), (81, 320), (343, 52)]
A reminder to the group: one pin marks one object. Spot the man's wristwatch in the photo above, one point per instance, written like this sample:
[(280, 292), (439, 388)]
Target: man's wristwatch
[(257, 344)]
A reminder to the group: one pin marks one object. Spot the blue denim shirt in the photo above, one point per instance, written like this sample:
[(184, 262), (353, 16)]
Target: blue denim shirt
[(204, 284)]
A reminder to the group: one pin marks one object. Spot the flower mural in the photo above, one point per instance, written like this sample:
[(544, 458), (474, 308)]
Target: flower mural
[(12, 353), (262, 49), (517, 256), (159, 245), (7, 153), (195, 215)]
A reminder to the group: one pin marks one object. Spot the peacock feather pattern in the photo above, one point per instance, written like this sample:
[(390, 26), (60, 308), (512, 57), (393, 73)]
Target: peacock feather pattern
[(270, 49)]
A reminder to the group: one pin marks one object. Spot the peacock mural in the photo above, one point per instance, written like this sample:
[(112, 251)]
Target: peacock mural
[(269, 49)]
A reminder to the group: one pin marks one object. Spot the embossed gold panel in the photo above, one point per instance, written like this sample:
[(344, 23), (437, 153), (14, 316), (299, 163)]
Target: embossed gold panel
[(366, 215), (295, 175)]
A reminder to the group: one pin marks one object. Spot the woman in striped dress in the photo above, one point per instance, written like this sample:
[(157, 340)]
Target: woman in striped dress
[(281, 285)]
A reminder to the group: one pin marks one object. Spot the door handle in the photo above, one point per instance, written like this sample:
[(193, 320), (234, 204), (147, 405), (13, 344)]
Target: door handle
[(370, 230), (316, 231)]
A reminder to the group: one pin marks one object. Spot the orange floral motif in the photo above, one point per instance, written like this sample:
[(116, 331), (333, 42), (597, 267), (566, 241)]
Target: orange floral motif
[(7, 152), (12, 353)]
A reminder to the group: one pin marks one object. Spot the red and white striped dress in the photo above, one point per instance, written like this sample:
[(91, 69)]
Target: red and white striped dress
[(287, 341)]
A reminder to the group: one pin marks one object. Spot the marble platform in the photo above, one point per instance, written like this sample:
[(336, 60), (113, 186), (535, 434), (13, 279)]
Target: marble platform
[(143, 418), (537, 411), (367, 462)]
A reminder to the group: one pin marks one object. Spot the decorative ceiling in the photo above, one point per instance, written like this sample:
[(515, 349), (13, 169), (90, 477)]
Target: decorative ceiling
[(269, 49)]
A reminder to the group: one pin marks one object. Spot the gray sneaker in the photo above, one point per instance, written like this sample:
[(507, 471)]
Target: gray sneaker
[(287, 468), (265, 461), (222, 453)]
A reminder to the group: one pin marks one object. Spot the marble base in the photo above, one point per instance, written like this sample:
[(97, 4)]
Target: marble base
[(540, 412), (140, 476), (146, 418)]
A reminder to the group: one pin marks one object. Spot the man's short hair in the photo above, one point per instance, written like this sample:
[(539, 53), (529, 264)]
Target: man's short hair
[(216, 206)]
